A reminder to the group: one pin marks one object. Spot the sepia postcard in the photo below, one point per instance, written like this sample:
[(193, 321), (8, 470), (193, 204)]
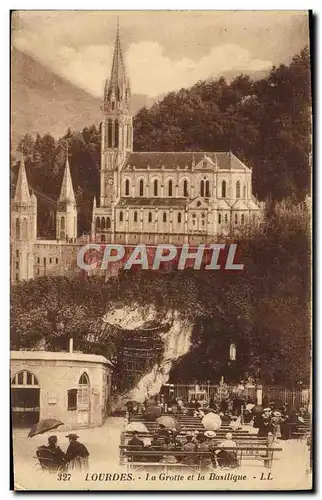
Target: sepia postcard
[(160, 246)]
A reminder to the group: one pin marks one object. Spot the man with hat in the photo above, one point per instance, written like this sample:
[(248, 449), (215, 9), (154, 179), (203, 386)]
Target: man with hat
[(77, 454), (227, 457)]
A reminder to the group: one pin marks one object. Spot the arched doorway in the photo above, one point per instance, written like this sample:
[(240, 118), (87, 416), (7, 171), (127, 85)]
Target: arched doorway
[(25, 399), (83, 399)]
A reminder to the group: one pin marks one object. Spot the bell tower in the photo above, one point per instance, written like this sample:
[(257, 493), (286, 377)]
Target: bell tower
[(117, 127)]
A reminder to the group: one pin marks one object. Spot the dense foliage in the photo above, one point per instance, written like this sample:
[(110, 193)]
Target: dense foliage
[(264, 310), (266, 123)]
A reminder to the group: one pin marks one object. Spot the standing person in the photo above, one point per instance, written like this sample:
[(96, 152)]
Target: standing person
[(77, 454)]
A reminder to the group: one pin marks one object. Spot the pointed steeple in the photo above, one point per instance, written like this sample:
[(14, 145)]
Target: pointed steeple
[(67, 191), (118, 87), (22, 194)]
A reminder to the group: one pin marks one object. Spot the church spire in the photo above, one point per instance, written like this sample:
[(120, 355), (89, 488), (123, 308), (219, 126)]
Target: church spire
[(67, 191), (117, 89), (22, 194)]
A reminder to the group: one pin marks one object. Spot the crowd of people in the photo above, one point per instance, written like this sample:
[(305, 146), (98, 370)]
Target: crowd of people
[(52, 457), (197, 447)]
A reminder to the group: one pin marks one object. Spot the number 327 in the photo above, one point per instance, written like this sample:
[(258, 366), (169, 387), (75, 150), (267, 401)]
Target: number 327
[(64, 477)]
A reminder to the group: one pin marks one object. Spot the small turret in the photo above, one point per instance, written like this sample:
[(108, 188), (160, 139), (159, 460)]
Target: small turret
[(22, 195)]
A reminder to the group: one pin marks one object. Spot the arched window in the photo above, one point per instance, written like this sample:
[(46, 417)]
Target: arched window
[(170, 188), (121, 216), (24, 229), (202, 188), (103, 223), (238, 189), (179, 218), (62, 235), (127, 187), (62, 222), (109, 133), (244, 191), (135, 216), (141, 188), (207, 190), (116, 124), (25, 378), (18, 229), (150, 217), (102, 238), (98, 223), (155, 188), (236, 218), (219, 218), (185, 188), (242, 219), (164, 217), (108, 223), (223, 189), (83, 391), (113, 105)]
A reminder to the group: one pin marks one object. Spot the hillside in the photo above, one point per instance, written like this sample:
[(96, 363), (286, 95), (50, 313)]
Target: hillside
[(42, 101)]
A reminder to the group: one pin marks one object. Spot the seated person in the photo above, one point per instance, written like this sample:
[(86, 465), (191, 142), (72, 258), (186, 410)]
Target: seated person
[(168, 445), (205, 446), (135, 444), (227, 458), (51, 456), (189, 446)]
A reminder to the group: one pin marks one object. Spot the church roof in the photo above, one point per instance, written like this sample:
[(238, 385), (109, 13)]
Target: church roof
[(22, 194), (118, 73), (239, 205), (182, 160), (67, 191), (152, 202)]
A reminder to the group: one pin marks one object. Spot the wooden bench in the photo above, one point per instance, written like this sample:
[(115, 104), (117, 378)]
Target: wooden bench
[(259, 452)]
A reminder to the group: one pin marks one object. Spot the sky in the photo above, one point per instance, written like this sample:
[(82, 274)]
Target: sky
[(164, 50)]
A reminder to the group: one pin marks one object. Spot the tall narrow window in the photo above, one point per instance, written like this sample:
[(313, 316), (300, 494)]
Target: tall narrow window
[(179, 218), (150, 217), (62, 223), (170, 188), (185, 188), (207, 190), (108, 223), (98, 223), (164, 217), (202, 188), (226, 217), (121, 216), (109, 133), (141, 187), (135, 216), (116, 133), (18, 229), (244, 191), (127, 187), (219, 218), (155, 188), (223, 189), (236, 219), (24, 229), (103, 223), (238, 189), (242, 219)]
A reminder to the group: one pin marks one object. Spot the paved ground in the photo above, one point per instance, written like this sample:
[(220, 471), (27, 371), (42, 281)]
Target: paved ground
[(289, 470)]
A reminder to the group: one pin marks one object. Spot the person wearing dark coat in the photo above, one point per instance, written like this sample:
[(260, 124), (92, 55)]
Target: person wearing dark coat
[(51, 456), (136, 444), (77, 454)]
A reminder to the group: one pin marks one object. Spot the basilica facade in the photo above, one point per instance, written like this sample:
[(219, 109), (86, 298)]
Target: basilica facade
[(145, 197)]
